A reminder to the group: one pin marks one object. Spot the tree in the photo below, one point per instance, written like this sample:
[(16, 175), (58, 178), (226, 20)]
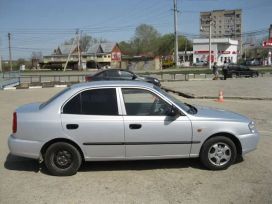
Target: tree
[(85, 41), (166, 44), (36, 56), (145, 38), (126, 48)]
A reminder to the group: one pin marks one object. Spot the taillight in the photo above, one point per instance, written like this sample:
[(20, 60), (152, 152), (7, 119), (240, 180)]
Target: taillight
[(88, 78), (14, 123)]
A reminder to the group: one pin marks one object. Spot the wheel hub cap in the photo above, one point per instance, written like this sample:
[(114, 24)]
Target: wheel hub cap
[(63, 158), (219, 154)]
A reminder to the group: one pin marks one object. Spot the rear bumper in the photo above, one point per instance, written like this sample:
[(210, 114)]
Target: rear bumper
[(249, 142), (24, 148)]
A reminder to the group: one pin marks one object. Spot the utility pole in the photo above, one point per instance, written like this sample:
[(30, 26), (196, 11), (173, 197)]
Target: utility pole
[(0, 59), (10, 58), (78, 50), (0, 62), (175, 32), (185, 50), (269, 51), (71, 50), (210, 43), (270, 32)]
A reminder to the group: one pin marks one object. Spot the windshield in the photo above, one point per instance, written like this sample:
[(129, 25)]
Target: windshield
[(54, 97), (184, 106)]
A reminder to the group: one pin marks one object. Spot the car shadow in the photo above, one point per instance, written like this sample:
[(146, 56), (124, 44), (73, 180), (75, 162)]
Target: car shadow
[(16, 163), (21, 164), (139, 165)]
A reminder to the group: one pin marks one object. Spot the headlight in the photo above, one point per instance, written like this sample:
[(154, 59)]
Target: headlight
[(252, 126)]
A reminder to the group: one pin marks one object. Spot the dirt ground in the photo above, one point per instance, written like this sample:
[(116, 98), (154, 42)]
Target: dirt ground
[(160, 181)]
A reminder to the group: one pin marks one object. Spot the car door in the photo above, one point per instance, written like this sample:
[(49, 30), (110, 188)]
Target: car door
[(92, 118), (149, 132)]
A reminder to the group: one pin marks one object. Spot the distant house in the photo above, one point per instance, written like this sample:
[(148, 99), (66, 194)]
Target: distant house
[(104, 54), (59, 56), (98, 55)]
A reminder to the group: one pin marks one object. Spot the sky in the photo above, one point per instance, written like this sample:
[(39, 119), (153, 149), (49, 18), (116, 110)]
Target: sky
[(42, 25)]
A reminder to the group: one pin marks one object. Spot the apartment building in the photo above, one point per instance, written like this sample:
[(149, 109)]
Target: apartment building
[(224, 24)]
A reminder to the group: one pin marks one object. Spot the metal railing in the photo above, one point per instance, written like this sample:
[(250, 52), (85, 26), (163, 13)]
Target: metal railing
[(14, 77), (11, 78)]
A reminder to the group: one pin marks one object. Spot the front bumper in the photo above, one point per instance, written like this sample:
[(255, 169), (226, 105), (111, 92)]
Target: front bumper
[(24, 148), (249, 142)]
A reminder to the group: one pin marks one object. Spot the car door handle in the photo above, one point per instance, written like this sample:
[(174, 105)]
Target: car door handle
[(71, 126), (135, 126)]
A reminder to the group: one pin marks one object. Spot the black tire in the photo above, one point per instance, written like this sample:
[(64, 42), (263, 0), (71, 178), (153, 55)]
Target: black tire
[(234, 75), (208, 147), (62, 159), (254, 75)]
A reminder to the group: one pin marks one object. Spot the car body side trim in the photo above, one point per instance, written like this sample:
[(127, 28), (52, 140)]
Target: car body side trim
[(141, 143)]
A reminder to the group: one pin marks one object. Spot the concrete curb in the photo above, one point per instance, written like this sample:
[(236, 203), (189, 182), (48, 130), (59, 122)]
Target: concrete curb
[(60, 86), (35, 87), (9, 88)]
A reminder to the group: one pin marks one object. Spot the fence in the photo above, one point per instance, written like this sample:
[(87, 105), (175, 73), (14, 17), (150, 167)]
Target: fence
[(11, 78)]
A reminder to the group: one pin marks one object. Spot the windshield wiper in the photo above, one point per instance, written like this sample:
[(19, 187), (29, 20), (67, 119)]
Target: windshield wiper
[(192, 110)]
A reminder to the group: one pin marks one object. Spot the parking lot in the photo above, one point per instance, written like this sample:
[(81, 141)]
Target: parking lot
[(160, 181)]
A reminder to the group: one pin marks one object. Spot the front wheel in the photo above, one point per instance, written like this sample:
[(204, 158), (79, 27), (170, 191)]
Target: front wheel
[(233, 75), (62, 159), (218, 153)]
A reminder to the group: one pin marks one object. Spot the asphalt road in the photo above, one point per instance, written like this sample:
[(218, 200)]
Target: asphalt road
[(241, 87), (162, 181)]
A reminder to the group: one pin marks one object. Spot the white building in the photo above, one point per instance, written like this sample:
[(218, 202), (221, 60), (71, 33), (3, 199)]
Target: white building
[(222, 49)]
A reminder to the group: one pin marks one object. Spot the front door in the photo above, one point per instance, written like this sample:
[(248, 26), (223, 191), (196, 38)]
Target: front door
[(92, 119), (149, 132)]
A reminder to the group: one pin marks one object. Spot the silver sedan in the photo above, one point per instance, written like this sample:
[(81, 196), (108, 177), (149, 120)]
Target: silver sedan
[(123, 120)]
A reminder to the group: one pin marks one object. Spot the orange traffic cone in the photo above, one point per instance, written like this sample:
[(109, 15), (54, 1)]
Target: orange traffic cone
[(220, 97)]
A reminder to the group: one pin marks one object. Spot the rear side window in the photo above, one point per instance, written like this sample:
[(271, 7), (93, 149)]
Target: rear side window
[(112, 73), (100, 75), (93, 102)]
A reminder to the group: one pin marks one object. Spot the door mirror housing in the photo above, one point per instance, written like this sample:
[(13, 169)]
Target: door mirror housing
[(173, 111)]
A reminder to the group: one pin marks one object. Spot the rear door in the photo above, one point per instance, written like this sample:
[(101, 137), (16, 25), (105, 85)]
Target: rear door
[(149, 132), (92, 118)]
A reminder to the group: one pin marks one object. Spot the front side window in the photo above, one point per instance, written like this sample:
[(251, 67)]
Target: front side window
[(144, 103), (93, 102)]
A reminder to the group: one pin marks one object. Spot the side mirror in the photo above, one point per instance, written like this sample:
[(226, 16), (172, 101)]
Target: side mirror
[(172, 111), (134, 77)]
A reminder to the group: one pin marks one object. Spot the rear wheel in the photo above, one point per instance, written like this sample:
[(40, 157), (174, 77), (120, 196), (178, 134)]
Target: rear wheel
[(254, 75), (218, 153), (62, 159)]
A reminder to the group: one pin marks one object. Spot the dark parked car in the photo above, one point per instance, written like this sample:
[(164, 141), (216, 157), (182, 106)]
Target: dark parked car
[(120, 74), (235, 70)]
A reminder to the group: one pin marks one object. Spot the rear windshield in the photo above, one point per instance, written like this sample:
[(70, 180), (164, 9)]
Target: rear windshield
[(54, 97)]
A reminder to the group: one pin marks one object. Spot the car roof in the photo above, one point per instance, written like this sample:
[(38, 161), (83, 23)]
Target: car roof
[(111, 69), (114, 83)]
